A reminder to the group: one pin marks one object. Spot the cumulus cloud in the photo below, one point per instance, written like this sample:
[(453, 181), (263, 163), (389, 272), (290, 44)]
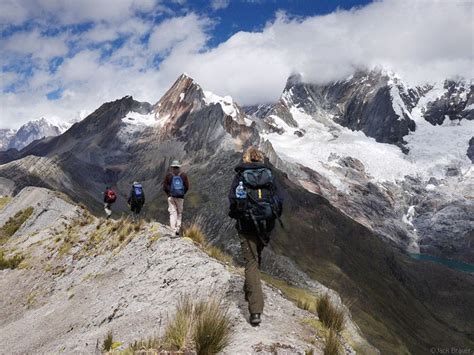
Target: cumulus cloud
[(34, 44), (219, 4), (187, 32), (421, 40), (69, 12)]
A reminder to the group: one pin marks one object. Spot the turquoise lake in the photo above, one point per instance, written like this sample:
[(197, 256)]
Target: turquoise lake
[(453, 264)]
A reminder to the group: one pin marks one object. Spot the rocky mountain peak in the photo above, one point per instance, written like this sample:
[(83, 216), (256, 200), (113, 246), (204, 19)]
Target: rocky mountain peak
[(185, 92), (32, 131), (184, 96)]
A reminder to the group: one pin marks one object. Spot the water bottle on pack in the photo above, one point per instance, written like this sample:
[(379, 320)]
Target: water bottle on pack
[(240, 191)]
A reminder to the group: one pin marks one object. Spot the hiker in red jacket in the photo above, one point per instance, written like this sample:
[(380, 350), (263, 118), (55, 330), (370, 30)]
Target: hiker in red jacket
[(109, 198), (175, 185)]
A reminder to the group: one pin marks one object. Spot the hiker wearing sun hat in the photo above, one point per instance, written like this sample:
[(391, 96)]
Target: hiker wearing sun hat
[(175, 185)]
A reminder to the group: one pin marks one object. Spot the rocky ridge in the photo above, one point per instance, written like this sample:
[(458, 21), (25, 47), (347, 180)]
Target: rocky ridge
[(67, 299)]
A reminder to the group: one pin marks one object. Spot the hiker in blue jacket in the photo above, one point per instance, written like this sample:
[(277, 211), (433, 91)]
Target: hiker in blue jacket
[(136, 200), (175, 185)]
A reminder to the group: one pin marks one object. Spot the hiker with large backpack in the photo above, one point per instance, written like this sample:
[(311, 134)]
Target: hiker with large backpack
[(136, 200), (255, 204), (109, 199), (175, 185)]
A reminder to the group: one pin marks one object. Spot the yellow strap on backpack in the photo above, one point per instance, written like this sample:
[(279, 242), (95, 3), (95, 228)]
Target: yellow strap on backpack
[(259, 194)]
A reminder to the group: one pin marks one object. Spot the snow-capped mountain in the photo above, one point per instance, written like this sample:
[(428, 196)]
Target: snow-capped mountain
[(374, 129), (365, 177), (29, 132)]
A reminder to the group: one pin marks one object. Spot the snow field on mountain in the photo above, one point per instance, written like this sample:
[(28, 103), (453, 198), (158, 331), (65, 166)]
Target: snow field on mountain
[(227, 104), (324, 137), (432, 148)]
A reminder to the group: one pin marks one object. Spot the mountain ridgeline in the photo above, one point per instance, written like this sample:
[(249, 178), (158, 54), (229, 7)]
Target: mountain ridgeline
[(344, 227), (29, 132)]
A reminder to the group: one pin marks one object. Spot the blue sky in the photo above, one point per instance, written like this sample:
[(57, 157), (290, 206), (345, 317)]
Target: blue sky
[(61, 59)]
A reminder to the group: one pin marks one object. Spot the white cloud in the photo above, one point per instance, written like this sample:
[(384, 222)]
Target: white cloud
[(422, 40), (219, 4), (69, 12), (43, 47), (186, 33)]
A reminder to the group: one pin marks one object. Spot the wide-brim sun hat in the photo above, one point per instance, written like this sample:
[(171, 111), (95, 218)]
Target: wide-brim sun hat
[(175, 164)]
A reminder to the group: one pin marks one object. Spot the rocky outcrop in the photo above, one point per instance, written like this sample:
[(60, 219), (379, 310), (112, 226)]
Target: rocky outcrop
[(456, 103), (49, 207)]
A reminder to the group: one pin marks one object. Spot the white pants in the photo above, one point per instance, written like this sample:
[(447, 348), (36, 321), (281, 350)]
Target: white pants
[(108, 210), (175, 208)]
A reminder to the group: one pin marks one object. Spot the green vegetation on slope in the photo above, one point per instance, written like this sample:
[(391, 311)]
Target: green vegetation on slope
[(10, 263), (4, 201), (14, 223)]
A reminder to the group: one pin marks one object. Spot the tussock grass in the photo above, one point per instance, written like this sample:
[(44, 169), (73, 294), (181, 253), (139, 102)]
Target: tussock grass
[(332, 344), (194, 231), (14, 223), (108, 341), (305, 304), (218, 254), (332, 316), (198, 326), (151, 345), (10, 263), (177, 330), (212, 328), (31, 299), (4, 201), (303, 299)]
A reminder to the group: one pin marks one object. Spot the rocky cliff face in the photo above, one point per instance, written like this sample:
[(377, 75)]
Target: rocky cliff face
[(345, 205)]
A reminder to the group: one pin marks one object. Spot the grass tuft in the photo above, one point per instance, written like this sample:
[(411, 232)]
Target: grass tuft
[(332, 344), (4, 201), (211, 330), (14, 223), (330, 315), (10, 263), (218, 254), (177, 330), (194, 232), (305, 304), (108, 341), (151, 345), (303, 299)]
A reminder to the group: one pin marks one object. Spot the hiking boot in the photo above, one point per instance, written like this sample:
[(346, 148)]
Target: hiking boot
[(255, 319)]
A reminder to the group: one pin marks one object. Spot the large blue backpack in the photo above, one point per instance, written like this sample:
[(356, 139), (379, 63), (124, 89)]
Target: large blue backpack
[(138, 193), (177, 186)]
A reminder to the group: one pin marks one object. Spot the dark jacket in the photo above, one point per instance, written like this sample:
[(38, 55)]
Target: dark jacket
[(132, 201), (169, 178), (244, 224)]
